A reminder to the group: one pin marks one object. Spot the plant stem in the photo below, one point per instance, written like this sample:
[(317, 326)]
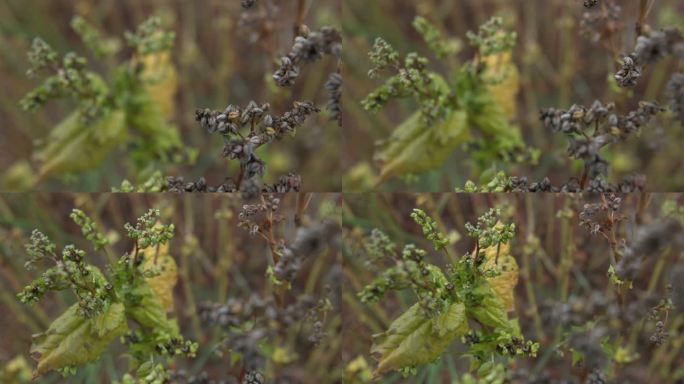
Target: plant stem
[(641, 19), (299, 19)]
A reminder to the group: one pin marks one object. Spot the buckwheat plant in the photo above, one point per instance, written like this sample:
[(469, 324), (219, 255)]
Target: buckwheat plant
[(253, 327), (600, 346), (651, 45), (591, 130), (468, 299), (260, 329), (119, 107), (590, 3), (601, 21), (263, 219), (469, 111), (129, 301), (244, 130), (308, 47), (649, 49)]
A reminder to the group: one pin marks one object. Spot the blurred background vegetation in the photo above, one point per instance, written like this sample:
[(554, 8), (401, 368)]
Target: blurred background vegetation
[(217, 62), (558, 67), (560, 262), (217, 260)]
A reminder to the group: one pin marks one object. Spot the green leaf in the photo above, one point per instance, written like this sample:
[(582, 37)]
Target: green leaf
[(487, 117), (577, 356), (414, 147), (148, 310), (74, 340), (490, 309), (146, 117), (75, 145), (413, 339), (453, 320)]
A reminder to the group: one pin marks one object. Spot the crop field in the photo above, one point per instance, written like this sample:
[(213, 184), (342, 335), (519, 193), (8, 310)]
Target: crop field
[(342, 191), (557, 288)]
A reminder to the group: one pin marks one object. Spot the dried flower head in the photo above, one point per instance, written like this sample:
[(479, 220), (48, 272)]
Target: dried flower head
[(244, 130), (308, 49), (334, 88), (248, 3), (649, 49), (675, 89), (589, 130), (595, 24)]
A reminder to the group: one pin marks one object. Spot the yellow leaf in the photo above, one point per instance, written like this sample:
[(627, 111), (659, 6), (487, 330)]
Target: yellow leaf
[(358, 371), (159, 260), (504, 283), (16, 371), (20, 176), (283, 355), (504, 81), (161, 78)]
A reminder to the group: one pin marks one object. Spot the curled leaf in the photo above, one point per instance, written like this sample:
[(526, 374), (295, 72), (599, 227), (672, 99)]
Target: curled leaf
[(414, 339), (73, 339)]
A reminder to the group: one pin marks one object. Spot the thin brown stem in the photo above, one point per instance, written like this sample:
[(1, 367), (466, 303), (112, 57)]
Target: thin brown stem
[(240, 177), (299, 19), (643, 11), (303, 200)]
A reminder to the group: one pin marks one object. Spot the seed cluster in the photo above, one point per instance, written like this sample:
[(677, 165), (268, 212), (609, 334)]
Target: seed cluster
[(334, 88), (595, 22), (308, 49), (675, 88), (660, 334), (270, 321), (308, 242), (244, 130), (601, 217), (650, 240), (258, 20), (649, 50), (253, 216), (590, 129), (248, 3), (590, 3), (596, 377)]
